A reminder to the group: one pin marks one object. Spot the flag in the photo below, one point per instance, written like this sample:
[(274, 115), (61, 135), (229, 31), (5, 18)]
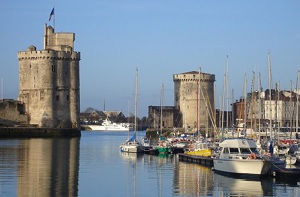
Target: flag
[(51, 14)]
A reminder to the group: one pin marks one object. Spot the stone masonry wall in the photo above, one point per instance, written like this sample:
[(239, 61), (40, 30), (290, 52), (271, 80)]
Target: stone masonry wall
[(12, 112)]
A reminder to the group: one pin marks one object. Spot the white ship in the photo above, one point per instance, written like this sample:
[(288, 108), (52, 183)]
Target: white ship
[(107, 125)]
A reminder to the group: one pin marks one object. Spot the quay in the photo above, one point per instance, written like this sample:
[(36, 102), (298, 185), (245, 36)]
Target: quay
[(206, 161), (32, 132)]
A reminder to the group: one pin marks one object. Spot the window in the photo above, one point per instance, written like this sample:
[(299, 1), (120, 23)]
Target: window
[(57, 97), (226, 151), (42, 95), (254, 150), (67, 97), (245, 151), (234, 150)]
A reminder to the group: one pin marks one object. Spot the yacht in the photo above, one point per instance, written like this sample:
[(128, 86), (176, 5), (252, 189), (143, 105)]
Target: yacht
[(240, 156), (108, 125)]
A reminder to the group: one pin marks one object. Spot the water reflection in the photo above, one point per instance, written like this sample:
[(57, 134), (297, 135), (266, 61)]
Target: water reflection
[(149, 175), (131, 158), (228, 186), (192, 180), (50, 167), (42, 167)]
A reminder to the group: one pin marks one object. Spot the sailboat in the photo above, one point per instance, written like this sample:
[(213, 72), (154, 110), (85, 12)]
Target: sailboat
[(163, 146), (132, 145)]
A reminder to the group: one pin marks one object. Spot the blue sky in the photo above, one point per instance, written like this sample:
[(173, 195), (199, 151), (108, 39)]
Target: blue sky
[(161, 38)]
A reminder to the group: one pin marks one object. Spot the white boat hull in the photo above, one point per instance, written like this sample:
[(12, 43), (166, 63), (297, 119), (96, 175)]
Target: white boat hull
[(250, 167), (104, 128), (131, 148)]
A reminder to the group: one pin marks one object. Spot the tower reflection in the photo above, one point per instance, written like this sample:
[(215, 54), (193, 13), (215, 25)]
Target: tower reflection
[(48, 167)]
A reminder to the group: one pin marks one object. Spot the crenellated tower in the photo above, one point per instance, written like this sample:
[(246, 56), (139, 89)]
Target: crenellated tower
[(49, 81), (191, 103)]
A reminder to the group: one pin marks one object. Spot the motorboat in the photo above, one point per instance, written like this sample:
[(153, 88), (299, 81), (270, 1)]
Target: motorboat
[(163, 147), (240, 156), (147, 147)]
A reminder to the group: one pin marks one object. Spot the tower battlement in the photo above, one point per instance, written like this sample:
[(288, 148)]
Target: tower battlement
[(194, 76), (48, 54)]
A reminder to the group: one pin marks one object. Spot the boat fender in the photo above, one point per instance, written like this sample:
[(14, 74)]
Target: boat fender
[(252, 156)]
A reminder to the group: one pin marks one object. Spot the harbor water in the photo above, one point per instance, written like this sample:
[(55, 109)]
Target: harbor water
[(92, 165)]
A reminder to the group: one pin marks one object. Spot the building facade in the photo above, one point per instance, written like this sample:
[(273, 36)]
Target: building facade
[(259, 109), (164, 117), (49, 81)]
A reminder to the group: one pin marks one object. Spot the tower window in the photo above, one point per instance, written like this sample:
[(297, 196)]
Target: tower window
[(57, 97), (42, 95), (53, 68), (67, 97)]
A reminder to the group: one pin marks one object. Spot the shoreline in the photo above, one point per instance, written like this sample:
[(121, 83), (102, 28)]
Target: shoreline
[(33, 132)]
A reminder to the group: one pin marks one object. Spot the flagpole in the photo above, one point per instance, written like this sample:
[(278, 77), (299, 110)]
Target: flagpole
[(54, 18), (52, 15)]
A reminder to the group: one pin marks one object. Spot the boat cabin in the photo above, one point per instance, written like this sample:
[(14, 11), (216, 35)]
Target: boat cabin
[(238, 149)]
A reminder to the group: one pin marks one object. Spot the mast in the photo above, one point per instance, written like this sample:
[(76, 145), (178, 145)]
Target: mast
[(291, 109), (232, 107), (199, 99), (161, 107), (184, 120), (128, 119), (136, 101), (227, 99), (222, 109), (297, 104), (259, 101), (215, 115), (276, 111), (245, 103), (252, 103), (270, 93)]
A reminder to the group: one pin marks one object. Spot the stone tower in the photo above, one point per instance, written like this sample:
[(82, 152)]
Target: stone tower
[(190, 103), (49, 81)]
